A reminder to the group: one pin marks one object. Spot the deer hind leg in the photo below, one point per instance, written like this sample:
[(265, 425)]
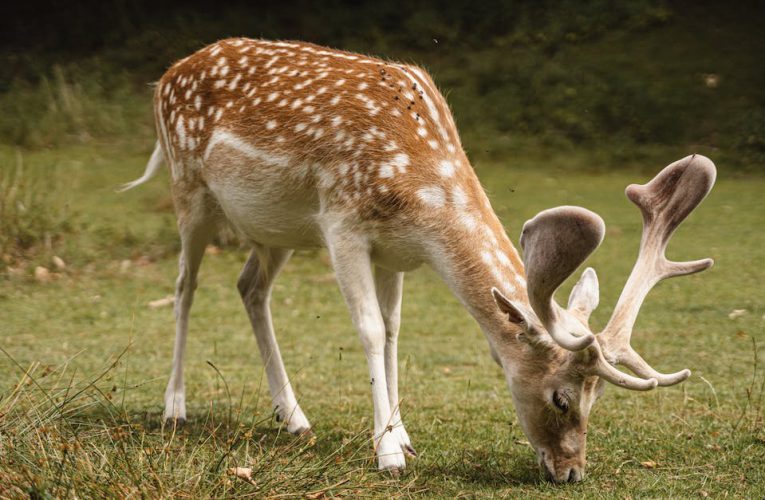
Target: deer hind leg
[(352, 264), (196, 224), (255, 284), (390, 287)]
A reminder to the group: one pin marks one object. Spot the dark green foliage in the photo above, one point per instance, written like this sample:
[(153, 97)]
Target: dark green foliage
[(593, 73)]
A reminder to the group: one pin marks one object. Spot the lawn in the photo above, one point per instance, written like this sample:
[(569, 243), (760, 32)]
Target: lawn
[(85, 360)]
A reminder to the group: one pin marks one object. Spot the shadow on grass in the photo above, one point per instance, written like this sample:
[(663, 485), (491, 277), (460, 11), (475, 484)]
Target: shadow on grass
[(485, 469)]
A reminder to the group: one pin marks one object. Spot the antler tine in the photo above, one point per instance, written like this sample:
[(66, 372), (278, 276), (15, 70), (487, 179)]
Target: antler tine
[(555, 242), (664, 203)]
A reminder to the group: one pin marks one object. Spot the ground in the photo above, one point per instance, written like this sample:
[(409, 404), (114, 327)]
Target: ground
[(85, 360)]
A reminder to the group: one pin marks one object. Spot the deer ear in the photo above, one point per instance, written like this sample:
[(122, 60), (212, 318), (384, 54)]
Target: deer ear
[(514, 311), (585, 296)]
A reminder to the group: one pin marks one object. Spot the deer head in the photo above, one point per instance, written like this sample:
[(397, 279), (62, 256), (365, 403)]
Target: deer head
[(564, 364)]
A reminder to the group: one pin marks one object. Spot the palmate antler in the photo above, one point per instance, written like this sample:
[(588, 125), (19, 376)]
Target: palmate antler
[(664, 202), (554, 243), (557, 241)]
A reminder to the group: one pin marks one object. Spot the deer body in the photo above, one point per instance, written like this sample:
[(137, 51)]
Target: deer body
[(300, 146)]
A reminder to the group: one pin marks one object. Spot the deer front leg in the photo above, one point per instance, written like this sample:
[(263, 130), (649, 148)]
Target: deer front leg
[(390, 286), (351, 261)]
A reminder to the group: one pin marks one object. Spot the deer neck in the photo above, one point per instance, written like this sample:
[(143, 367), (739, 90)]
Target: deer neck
[(472, 258)]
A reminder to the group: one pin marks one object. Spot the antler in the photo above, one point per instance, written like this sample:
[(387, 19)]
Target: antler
[(555, 242), (664, 202)]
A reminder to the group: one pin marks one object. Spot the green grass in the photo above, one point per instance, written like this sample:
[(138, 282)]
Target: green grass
[(84, 361)]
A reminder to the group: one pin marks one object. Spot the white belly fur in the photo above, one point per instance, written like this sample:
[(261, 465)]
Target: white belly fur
[(263, 197)]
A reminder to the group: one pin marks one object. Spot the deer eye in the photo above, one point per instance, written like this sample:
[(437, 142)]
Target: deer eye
[(560, 401)]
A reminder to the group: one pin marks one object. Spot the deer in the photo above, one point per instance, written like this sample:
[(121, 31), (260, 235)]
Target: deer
[(300, 146)]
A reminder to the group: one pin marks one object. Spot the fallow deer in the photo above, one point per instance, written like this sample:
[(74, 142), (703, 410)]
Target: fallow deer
[(301, 146)]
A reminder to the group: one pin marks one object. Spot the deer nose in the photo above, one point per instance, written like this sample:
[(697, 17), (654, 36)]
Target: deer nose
[(574, 475)]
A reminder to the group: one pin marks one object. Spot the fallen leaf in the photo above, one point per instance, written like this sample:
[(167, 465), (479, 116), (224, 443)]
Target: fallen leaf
[(243, 473), (42, 274), (736, 313), (58, 263), (212, 250), (167, 301), (648, 464)]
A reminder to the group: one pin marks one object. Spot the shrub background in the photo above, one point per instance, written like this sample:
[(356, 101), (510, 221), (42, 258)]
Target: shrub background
[(612, 76)]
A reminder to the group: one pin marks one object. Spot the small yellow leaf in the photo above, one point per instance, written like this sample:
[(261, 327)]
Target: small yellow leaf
[(648, 464), (243, 473), (167, 301), (737, 313)]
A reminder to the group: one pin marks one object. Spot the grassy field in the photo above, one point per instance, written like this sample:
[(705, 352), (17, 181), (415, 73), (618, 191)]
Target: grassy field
[(84, 360)]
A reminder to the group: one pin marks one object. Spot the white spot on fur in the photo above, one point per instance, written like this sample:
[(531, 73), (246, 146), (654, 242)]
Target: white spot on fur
[(271, 124), (432, 196), (459, 198), (326, 178), (446, 168), (401, 161), (386, 170), (487, 258), (180, 132), (467, 220), (502, 258), (234, 82)]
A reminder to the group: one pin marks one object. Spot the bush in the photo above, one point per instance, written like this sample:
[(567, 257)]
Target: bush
[(28, 216), (63, 108)]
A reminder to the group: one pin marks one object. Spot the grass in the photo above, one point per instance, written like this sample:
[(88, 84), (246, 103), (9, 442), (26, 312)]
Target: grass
[(84, 361)]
